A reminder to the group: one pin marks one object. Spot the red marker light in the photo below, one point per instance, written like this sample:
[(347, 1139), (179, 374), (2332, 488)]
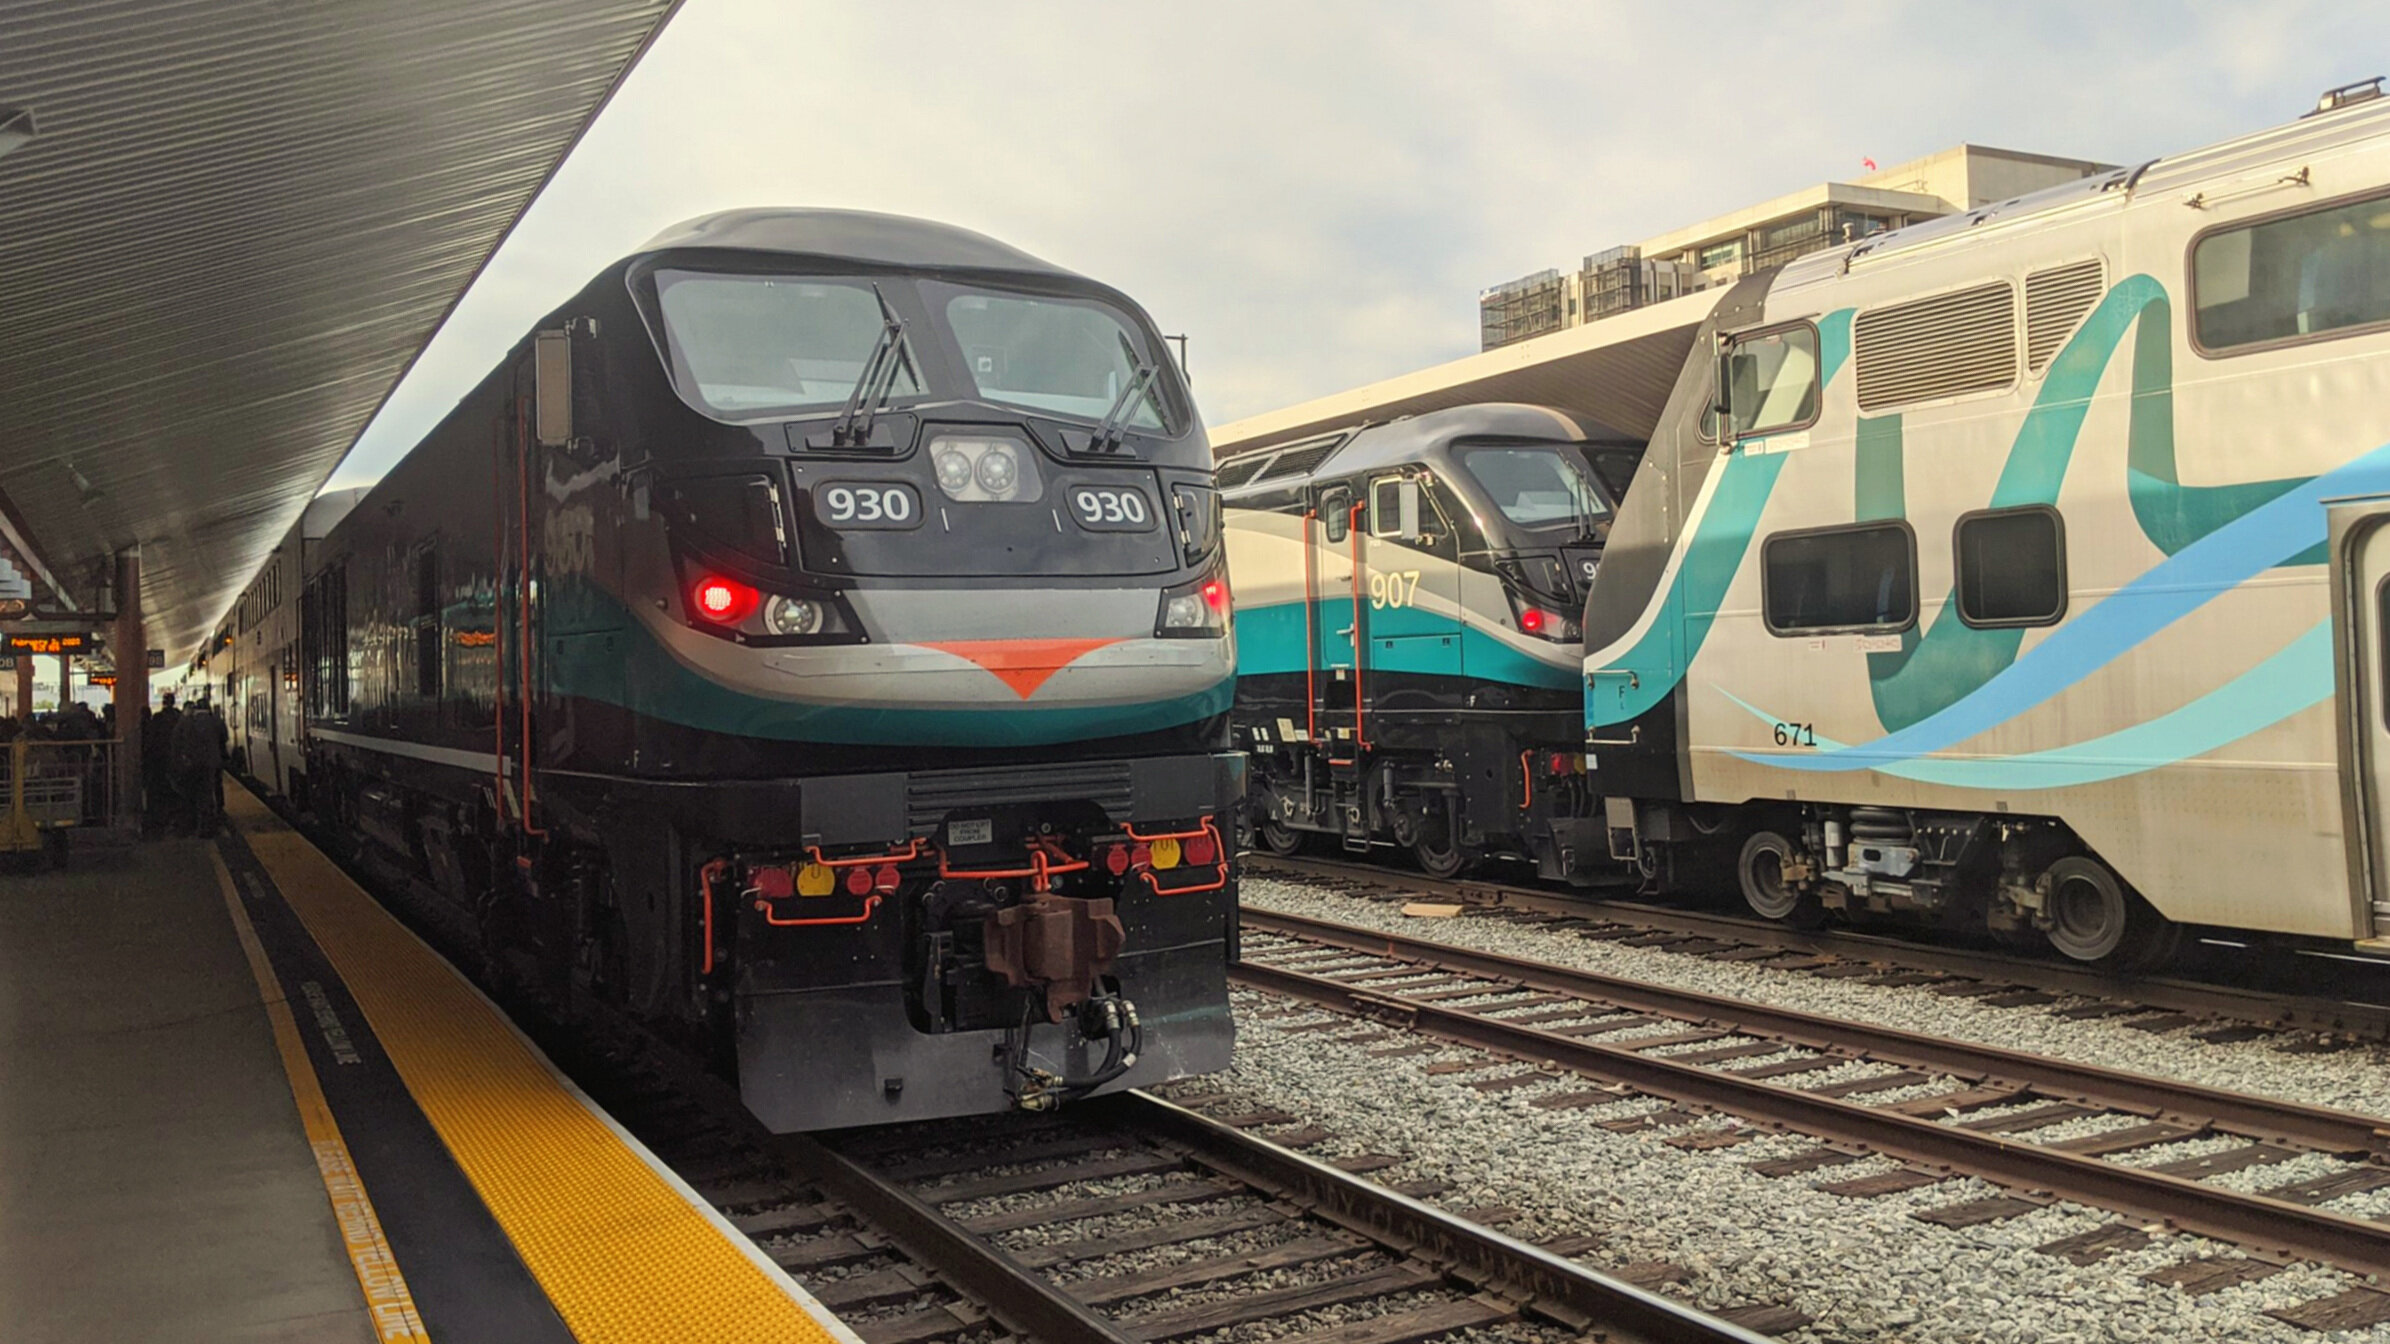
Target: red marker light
[(1116, 860), (1215, 594), (723, 601), (887, 880), (1141, 857), (858, 881), (1200, 850), (773, 884), (1532, 620)]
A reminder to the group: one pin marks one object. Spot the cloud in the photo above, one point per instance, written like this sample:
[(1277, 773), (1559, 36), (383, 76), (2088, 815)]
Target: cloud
[(1315, 193)]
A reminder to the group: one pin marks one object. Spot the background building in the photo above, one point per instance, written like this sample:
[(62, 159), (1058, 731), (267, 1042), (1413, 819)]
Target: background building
[(1728, 247)]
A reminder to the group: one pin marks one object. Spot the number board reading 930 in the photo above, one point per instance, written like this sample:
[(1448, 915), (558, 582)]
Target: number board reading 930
[(854, 504), (1108, 508)]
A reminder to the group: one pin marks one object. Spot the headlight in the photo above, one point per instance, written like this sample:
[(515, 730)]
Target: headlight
[(972, 470), (793, 616), (954, 471), (999, 470), (1197, 610)]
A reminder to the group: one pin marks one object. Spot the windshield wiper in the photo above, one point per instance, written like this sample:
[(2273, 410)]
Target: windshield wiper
[(1109, 430), (852, 429)]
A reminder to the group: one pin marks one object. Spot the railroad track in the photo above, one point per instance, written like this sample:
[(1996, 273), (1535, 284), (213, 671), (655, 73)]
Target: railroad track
[(1012, 1227), (1843, 953), (1704, 1056)]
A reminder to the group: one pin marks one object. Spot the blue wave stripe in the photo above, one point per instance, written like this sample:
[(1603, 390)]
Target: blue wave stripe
[(2194, 576), (2294, 678)]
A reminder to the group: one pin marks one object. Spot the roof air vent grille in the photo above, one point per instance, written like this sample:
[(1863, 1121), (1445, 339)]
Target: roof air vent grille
[(2056, 301), (1938, 347), (1300, 459)]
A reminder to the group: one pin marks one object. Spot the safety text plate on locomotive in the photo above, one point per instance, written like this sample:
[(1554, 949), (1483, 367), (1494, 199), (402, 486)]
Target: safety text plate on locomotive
[(979, 831)]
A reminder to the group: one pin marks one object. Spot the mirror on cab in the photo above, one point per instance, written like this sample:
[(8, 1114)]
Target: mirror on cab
[(552, 388), (1394, 508)]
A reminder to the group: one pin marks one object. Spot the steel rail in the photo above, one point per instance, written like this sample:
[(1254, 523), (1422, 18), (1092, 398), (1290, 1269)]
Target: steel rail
[(1527, 1276), (2368, 1020), (1017, 1296), (2252, 1221), (2341, 1132)]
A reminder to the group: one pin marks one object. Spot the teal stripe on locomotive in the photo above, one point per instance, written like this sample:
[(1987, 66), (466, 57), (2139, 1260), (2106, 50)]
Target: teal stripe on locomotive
[(669, 690), (1270, 642)]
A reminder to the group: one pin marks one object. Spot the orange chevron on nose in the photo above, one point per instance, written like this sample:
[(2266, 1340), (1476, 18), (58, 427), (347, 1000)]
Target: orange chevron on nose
[(1023, 664)]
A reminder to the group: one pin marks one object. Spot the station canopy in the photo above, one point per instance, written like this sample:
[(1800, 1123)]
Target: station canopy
[(227, 227), (1616, 372)]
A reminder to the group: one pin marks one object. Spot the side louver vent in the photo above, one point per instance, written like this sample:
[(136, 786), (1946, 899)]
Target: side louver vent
[(2055, 302), (1937, 347)]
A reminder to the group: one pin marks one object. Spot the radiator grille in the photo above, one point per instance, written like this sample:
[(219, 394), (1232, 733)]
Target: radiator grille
[(1300, 459), (2055, 302), (931, 795), (1937, 347), (1240, 470)]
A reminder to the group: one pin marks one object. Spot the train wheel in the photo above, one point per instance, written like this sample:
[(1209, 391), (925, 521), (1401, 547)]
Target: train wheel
[(1278, 837), (1760, 873), (1438, 854), (2093, 918)]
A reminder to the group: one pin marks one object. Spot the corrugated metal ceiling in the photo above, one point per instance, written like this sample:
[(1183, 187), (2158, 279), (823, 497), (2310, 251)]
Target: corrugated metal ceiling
[(239, 223)]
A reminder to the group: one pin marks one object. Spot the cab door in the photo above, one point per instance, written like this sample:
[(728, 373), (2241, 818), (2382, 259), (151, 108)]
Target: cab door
[(1336, 549), (2361, 583), (1411, 587)]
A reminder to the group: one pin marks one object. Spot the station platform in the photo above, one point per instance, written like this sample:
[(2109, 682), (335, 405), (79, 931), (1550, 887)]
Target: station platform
[(240, 1101)]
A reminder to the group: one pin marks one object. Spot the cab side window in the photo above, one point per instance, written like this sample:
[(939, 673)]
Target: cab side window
[(1771, 380), (1335, 513)]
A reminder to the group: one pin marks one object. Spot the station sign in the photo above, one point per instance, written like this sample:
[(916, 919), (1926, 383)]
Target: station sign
[(75, 643), (105, 681), (157, 660)]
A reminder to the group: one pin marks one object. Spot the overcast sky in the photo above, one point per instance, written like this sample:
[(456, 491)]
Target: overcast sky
[(1316, 192)]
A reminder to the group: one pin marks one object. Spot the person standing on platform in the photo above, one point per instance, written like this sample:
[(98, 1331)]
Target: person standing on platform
[(199, 739), (164, 810)]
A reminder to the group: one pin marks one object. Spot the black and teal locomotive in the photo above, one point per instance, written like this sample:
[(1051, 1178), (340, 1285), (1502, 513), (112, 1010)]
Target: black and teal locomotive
[(813, 644)]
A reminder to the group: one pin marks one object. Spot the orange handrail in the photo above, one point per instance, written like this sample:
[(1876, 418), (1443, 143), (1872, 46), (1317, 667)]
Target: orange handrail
[(1352, 529), (910, 852), (1310, 634), (871, 903)]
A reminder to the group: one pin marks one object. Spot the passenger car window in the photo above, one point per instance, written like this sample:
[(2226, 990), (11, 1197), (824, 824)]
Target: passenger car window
[(2292, 277), (1847, 578), (1772, 380), (2011, 566)]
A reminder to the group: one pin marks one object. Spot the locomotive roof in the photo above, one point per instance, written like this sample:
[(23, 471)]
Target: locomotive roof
[(1413, 438), (862, 236)]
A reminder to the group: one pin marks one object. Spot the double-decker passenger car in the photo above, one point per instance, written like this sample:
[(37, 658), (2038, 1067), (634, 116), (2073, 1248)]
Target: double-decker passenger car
[(2028, 566), (813, 643)]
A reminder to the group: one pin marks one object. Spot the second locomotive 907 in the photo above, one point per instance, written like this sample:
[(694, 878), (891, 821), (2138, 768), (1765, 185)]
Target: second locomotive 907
[(814, 644)]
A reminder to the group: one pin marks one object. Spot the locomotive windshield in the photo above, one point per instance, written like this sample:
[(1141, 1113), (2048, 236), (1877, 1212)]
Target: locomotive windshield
[(745, 346), (755, 343), (1047, 354), (1537, 486)]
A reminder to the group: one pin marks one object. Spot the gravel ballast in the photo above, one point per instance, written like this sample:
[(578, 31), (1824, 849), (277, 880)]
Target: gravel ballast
[(1863, 1268), (2355, 1079)]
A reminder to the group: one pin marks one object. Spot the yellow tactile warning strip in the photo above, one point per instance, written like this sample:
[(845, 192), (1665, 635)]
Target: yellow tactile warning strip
[(627, 1253), (386, 1294)]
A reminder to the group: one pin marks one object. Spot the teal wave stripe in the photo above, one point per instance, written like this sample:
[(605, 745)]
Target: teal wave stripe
[(2294, 678)]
